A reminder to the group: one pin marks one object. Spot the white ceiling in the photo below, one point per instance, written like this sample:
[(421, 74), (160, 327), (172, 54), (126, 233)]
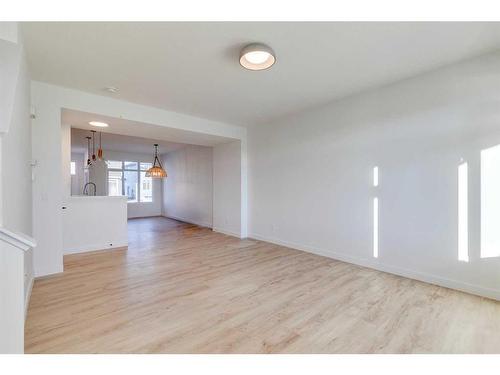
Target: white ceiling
[(138, 136), (193, 67), (121, 143)]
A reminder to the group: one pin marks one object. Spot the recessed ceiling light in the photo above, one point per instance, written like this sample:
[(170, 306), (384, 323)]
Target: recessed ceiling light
[(257, 57), (99, 124), (111, 89)]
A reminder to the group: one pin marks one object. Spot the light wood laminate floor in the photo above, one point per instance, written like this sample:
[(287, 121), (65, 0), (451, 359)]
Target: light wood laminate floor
[(180, 288)]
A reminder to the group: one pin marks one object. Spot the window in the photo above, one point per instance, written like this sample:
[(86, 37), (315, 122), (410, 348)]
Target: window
[(129, 178), (146, 189), (72, 168), (115, 183), (130, 184), (114, 164), (130, 165), (146, 166)]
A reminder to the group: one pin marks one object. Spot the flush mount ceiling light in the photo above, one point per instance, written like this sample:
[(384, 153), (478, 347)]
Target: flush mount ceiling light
[(257, 56), (99, 124)]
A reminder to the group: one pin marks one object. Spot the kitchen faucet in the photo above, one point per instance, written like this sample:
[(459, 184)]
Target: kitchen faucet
[(85, 190)]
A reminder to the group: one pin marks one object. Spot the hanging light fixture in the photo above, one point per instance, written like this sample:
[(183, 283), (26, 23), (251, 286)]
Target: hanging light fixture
[(93, 144), (156, 171), (99, 151), (88, 150)]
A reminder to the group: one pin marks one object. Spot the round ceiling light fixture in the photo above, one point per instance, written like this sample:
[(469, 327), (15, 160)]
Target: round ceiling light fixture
[(257, 56), (99, 124)]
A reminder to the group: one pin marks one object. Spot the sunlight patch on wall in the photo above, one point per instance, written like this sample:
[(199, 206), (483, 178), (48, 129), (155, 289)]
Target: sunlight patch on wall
[(463, 213), (490, 202), (375, 215), (375, 227)]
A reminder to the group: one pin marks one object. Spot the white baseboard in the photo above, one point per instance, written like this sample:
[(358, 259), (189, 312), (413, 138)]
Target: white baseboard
[(27, 297), (377, 265), (226, 232), (206, 225), (201, 224), (48, 272), (143, 217), (95, 247)]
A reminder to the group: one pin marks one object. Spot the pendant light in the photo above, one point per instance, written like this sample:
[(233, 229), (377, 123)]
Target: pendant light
[(99, 151), (93, 144), (88, 150), (156, 171)]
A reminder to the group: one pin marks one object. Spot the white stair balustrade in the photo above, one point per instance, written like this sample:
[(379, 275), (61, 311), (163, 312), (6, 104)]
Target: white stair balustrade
[(12, 299)]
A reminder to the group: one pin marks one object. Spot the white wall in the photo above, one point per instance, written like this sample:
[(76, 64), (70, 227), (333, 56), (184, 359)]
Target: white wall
[(77, 180), (65, 146), (311, 175), (48, 100), (16, 275), (227, 177), (9, 31), (94, 223), (16, 169), (187, 191), (140, 209), (97, 173), (16, 166), (47, 187), (88, 222), (12, 301)]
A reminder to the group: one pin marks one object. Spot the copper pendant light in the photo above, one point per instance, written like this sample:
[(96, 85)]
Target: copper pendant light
[(156, 171), (99, 151)]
